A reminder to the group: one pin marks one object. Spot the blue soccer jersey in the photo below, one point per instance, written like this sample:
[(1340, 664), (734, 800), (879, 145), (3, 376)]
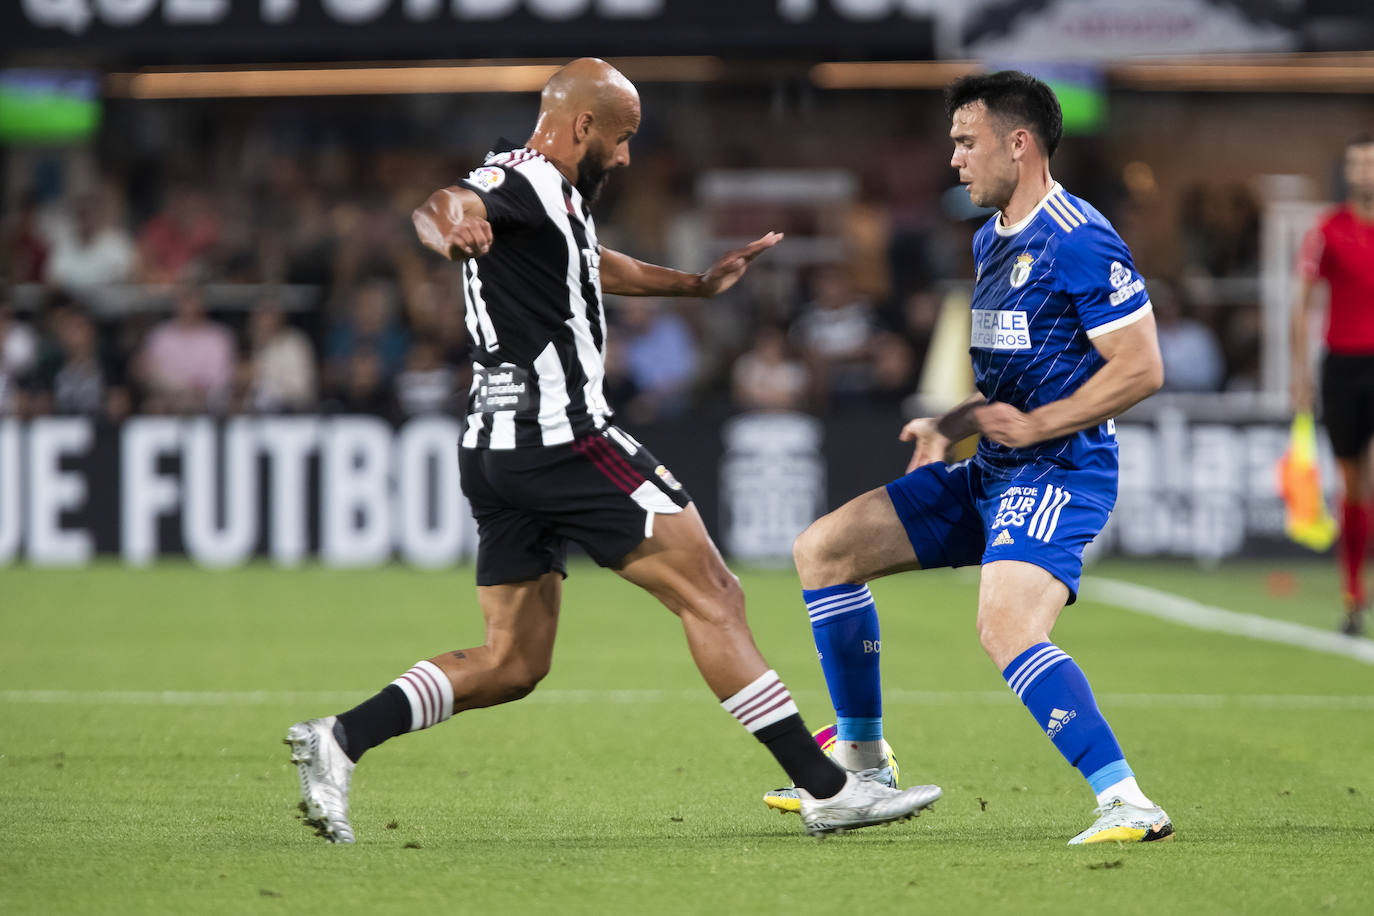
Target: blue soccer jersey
[(1045, 287)]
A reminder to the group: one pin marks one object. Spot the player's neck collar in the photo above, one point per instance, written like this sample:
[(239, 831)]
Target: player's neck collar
[(1023, 222)]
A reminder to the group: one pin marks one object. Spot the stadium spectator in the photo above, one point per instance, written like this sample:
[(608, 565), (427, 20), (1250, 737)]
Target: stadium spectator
[(427, 383), (25, 250), (1336, 253), (364, 389), (187, 362), (281, 362), (91, 249), (1219, 226), (836, 331), (18, 356), (768, 376), (370, 325), (659, 358), (178, 236), (1192, 355), (80, 380)]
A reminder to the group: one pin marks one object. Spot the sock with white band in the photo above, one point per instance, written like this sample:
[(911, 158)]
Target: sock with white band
[(417, 699), (766, 710), (430, 694)]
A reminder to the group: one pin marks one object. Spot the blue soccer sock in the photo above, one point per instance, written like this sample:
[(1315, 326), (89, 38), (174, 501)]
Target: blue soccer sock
[(1057, 694), (844, 622)]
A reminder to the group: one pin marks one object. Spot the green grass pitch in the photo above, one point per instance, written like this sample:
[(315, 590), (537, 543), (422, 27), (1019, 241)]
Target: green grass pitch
[(621, 787)]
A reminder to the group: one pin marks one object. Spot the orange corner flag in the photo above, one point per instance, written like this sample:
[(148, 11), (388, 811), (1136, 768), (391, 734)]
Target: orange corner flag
[(1306, 519)]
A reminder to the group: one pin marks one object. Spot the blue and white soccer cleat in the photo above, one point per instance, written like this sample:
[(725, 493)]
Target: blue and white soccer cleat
[(1120, 822), (326, 773), (863, 802)]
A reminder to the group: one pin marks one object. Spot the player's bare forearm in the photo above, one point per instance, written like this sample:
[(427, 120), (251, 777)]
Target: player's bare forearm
[(452, 222), (622, 275), (1132, 373), (960, 422)]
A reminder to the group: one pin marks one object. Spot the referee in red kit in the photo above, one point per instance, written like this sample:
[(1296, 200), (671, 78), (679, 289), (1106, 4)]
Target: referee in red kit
[(1339, 250)]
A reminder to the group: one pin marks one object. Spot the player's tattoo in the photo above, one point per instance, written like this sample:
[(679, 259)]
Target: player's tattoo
[(459, 655)]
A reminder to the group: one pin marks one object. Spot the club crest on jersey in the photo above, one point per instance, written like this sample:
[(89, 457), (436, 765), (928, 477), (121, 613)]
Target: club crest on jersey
[(1020, 271), (487, 178)]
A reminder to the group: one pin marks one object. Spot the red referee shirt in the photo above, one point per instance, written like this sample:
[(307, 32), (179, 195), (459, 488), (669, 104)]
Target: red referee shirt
[(1340, 250)]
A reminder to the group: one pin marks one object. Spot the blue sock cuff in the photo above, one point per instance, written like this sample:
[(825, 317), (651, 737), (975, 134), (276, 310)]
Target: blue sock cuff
[(1110, 774), (836, 601), (1030, 666), (858, 729), (815, 594)]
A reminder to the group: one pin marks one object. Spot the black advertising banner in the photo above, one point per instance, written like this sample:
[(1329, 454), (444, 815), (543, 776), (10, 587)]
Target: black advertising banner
[(354, 492), (259, 30)]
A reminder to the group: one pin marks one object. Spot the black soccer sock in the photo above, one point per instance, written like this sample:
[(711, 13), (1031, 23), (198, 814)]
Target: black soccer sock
[(802, 758), (373, 721)]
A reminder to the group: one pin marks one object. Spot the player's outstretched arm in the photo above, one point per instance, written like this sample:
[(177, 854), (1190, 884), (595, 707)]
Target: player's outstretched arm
[(453, 222), (622, 275), (1133, 372)]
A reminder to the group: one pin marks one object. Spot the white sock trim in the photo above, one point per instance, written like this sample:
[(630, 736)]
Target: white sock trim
[(430, 693), (859, 755), (765, 701), (1126, 790)]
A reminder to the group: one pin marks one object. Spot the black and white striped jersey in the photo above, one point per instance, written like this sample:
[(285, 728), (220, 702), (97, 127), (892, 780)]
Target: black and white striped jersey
[(533, 310)]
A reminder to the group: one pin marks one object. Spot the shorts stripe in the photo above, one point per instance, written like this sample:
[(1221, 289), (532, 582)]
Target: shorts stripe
[(1054, 519), (587, 449), (620, 461)]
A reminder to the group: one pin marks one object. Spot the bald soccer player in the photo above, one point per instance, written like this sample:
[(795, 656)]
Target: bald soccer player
[(543, 465)]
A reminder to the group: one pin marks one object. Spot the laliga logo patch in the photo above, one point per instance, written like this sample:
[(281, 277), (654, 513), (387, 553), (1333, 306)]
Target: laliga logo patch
[(667, 477), (487, 178), (1020, 271)]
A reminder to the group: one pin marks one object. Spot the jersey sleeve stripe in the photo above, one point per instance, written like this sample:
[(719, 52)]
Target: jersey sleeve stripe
[(1058, 219), (1064, 202), (1120, 322), (1057, 202)]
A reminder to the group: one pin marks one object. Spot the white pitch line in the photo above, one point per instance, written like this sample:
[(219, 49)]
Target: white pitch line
[(1145, 600), (623, 697)]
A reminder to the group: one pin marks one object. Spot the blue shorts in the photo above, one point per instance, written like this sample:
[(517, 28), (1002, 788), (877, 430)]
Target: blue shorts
[(960, 514)]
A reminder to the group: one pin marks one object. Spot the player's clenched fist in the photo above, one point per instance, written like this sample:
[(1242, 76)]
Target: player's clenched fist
[(471, 238), (453, 223)]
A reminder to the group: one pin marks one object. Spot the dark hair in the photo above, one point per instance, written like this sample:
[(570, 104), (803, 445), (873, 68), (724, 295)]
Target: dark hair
[(1013, 97), (1361, 139)]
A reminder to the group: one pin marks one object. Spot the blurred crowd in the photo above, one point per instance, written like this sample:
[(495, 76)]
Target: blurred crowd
[(292, 282)]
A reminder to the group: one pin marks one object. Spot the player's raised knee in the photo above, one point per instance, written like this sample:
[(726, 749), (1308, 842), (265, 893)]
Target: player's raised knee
[(817, 555)]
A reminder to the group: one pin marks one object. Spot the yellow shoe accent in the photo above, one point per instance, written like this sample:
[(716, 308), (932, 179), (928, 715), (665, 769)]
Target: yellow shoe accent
[(783, 801), (1117, 835)]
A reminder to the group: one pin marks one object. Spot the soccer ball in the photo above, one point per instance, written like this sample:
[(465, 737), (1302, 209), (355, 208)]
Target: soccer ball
[(825, 737)]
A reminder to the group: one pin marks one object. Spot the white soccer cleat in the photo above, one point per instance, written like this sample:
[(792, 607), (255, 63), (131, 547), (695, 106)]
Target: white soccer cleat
[(326, 773), (787, 801), (1120, 822), (863, 802)]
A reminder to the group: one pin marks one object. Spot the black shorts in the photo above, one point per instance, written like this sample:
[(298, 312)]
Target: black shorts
[(1348, 402), (601, 491)]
